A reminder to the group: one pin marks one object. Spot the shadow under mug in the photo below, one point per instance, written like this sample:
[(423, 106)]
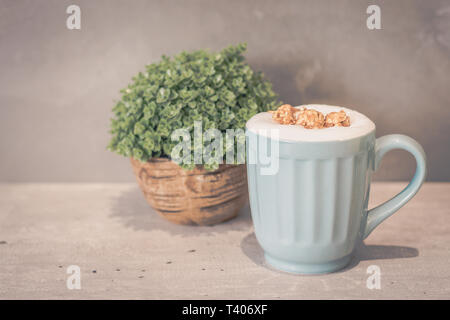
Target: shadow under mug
[(311, 213)]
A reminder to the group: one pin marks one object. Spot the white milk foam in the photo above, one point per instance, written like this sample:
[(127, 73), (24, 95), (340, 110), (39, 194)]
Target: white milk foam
[(360, 125)]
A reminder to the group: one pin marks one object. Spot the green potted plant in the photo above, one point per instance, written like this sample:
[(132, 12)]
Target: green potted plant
[(216, 90)]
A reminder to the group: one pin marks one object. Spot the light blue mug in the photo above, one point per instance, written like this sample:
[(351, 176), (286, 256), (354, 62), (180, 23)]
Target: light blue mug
[(312, 213)]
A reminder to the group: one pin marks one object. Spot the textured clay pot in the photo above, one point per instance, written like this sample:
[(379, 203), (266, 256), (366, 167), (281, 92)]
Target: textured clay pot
[(192, 197)]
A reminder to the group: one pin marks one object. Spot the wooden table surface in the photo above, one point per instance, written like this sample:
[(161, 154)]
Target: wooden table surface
[(125, 250)]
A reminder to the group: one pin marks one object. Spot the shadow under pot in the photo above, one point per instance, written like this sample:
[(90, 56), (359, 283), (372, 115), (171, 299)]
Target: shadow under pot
[(195, 197)]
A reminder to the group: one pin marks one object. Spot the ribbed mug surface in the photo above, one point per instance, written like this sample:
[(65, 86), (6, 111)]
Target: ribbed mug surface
[(311, 213)]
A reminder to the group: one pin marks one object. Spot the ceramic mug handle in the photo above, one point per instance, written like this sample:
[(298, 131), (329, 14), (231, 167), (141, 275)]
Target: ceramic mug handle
[(384, 144)]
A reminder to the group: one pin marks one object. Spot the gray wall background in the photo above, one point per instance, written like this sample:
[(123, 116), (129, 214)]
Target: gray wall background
[(57, 86)]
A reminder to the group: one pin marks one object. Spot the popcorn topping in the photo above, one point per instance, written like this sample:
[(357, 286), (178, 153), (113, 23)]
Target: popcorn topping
[(309, 118)]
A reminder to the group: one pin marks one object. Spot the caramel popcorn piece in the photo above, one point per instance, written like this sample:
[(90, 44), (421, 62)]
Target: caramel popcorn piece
[(284, 114), (309, 118), (338, 119)]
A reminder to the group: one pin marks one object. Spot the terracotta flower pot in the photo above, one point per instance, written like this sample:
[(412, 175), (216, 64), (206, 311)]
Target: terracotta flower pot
[(192, 197)]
